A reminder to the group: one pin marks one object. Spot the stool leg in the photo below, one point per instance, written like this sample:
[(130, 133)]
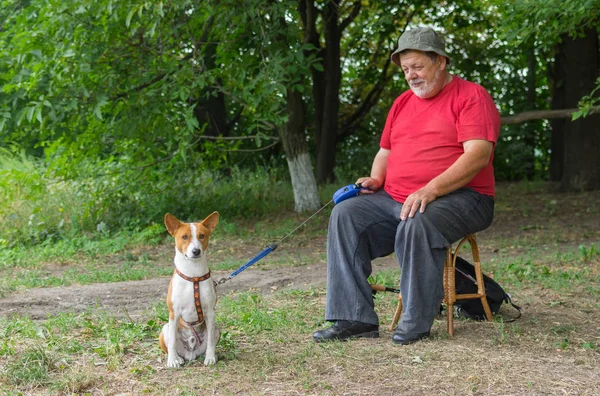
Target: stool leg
[(479, 277), (397, 313), (450, 289), (486, 308)]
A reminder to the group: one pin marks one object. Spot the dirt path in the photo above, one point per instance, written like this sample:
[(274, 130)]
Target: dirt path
[(132, 298)]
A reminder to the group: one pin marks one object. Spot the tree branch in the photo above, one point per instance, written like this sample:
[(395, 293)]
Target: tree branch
[(542, 115), (266, 137), (349, 124), (353, 14), (153, 81), (254, 150)]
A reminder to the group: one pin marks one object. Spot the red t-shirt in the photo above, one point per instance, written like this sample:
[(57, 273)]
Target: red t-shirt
[(425, 136)]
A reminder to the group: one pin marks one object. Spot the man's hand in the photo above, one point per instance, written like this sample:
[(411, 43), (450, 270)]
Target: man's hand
[(378, 170), (370, 183), (417, 201)]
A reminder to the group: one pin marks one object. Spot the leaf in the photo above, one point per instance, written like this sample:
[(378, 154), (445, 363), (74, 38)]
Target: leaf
[(98, 112), (101, 100), (36, 53), (30, 111), (192, 123), (129, 16), (38, 113), (258, 140)]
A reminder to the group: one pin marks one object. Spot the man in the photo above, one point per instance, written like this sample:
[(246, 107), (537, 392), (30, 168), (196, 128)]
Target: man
[(431, 183)]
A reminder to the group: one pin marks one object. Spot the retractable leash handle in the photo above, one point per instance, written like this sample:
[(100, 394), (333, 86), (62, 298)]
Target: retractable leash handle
[(350, 191)]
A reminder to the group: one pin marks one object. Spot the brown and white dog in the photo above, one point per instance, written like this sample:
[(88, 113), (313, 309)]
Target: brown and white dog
[(191, 298)]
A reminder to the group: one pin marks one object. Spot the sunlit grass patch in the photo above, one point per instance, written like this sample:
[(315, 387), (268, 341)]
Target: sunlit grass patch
[(558, 271), (88, 273)]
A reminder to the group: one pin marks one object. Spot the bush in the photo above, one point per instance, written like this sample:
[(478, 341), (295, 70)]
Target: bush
[(106, 197), (36, 207)]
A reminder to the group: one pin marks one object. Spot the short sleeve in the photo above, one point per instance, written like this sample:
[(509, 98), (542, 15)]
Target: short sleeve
[(479, 118)]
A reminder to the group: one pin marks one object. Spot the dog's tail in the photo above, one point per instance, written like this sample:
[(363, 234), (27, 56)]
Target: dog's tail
[(161, 341)]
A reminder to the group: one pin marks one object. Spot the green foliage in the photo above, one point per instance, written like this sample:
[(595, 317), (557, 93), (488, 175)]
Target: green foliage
[(120, 82), (588, 103), (546, 20), (41, 209), (36, 207)]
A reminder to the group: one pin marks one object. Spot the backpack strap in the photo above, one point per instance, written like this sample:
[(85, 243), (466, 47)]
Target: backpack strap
[(508, 299)]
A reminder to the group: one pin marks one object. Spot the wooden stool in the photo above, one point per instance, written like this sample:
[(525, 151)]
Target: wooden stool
[(450, 296)]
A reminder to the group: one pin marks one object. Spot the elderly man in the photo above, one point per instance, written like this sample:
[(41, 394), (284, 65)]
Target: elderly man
[(431, 183)]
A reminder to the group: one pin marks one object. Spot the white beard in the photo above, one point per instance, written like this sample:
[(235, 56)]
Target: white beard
[(425, 89)]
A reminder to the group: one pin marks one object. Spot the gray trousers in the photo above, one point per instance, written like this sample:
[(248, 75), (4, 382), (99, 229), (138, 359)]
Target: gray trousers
[(369, 226)]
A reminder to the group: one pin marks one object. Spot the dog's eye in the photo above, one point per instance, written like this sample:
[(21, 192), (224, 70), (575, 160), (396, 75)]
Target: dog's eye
[(185, 237), (201, 236)]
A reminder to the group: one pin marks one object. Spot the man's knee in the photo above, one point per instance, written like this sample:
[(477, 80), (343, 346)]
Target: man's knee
[(420, 229)]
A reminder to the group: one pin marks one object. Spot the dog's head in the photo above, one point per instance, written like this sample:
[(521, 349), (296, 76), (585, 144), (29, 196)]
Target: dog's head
[(191, 239)]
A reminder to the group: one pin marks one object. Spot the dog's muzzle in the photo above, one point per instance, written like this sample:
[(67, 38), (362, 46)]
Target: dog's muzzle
[(194, 254)]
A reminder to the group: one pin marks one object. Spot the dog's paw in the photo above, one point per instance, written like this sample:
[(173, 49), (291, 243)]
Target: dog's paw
[(210, 360), (174, 361)]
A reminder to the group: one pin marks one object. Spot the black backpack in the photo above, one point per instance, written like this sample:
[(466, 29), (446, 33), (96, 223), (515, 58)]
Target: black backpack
[(466, 283)]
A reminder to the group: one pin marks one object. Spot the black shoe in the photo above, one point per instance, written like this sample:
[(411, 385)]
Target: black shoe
[(345, 329), (401, 338)]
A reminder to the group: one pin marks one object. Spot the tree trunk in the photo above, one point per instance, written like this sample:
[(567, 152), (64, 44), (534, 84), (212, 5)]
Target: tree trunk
[(210, 107), (530, 128), (309, 14), (306, 195), (331, 105), (581, 160), (557, 139)]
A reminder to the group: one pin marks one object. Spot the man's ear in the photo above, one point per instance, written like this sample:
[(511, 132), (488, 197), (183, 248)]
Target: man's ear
[(442, 62), (211, 221), (172, 223)]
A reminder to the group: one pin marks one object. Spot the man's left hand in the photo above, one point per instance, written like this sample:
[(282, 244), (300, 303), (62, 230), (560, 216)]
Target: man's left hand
[(417, 201)]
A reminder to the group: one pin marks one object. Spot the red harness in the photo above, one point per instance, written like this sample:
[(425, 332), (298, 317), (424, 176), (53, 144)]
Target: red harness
[(196, 280)]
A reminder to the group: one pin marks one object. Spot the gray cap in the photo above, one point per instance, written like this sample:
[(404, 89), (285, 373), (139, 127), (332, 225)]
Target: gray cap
[(421, 39)]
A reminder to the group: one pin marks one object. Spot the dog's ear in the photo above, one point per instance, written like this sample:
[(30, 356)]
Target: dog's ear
[(211, 221), (172, 223)]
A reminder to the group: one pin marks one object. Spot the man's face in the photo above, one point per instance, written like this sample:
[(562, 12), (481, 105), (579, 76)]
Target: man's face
[(424, 76)]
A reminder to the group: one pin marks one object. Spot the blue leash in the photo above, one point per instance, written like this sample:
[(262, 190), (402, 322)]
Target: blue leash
[(343, 193), (259, 256)]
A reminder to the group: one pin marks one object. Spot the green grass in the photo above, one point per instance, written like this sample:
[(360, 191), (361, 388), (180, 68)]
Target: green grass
[(555, 269), (266, 339), (48, 354)]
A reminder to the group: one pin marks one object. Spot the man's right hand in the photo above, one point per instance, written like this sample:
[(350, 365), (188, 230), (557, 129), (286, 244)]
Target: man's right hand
[(378, 170), (370, 184)]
